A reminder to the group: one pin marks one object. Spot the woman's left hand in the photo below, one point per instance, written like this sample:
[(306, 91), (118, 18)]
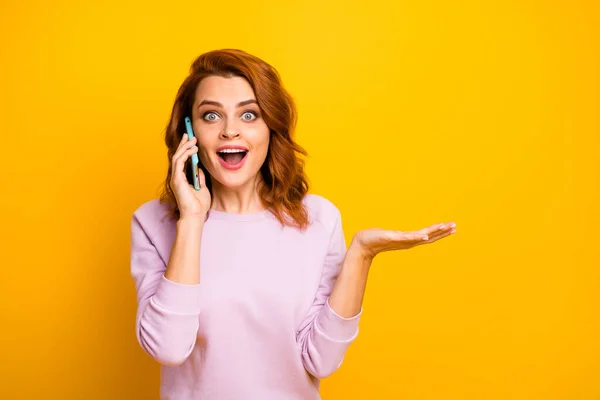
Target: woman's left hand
[(371, 242)]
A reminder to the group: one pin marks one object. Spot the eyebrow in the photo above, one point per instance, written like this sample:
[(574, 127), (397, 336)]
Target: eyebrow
[(216, 103)]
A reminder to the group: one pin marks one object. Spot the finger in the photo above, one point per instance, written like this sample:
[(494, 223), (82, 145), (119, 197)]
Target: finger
[(428, 230), (440, 234), (184, 138), (183, 147), (437, 236), (410, 236), (441, 227), (178, 165), (185, 154)]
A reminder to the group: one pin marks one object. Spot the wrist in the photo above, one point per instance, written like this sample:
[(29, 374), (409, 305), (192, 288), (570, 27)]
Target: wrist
[(360, 252), (191, 222), (359, 257)]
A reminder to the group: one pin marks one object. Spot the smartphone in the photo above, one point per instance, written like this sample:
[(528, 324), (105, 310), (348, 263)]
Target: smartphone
[(194, 163)]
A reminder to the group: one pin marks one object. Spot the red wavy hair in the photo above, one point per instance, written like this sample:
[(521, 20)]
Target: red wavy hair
[(284, 181)]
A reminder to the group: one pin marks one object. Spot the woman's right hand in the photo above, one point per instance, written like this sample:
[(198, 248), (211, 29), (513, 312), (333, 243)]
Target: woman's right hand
[(191, 202)]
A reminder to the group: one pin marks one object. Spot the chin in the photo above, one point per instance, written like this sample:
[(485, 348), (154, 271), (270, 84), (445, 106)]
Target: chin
[(233, 181)]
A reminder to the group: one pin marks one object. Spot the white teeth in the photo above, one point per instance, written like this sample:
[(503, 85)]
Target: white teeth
[(232, 151)]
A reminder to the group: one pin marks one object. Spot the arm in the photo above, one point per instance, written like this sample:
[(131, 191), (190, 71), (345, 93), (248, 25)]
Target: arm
[(332, 322), (347, 295), (325, 334), (348, 292), (168, 296), (185, 255)]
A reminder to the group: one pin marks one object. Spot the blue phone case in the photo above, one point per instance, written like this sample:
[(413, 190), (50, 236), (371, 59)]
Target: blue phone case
[(194, 164)]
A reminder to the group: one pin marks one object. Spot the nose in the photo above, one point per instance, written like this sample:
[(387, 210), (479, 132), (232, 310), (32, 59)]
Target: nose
[(230, 131), (227, 134)]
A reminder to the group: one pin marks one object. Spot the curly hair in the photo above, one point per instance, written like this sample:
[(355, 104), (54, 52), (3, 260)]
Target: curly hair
[(284, 181)]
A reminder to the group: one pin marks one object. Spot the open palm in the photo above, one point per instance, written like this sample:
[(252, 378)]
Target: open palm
[(374, 241)]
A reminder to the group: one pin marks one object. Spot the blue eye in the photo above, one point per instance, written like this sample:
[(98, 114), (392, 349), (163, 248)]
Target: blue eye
[(209, 113), (249, 113), (208, 116)]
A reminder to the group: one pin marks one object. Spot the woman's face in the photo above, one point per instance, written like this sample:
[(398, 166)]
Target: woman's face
[(225, 114)]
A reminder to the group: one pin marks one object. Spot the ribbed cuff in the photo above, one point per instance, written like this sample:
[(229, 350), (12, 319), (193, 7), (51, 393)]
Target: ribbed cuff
[(336, 327), (178, 298)]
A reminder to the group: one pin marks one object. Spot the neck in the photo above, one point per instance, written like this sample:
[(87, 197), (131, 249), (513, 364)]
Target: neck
[(237, 200)]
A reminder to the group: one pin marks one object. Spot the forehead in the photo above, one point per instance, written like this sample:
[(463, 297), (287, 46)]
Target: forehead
[(224, 90)]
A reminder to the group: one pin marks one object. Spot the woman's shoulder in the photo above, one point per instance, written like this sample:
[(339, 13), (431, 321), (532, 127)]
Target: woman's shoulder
[(321, 209), (153, 207), (153, 215)]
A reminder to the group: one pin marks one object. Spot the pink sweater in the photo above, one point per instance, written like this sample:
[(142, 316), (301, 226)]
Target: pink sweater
[(259, 324)]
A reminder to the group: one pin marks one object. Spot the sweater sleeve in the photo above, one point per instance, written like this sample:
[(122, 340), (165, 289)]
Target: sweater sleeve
[(167, 317), (324, 335)]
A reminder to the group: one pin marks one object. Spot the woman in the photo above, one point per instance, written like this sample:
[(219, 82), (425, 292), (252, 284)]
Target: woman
[(245, 287)]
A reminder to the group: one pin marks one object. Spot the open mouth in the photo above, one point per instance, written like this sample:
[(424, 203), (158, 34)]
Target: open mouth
[(232, 157)]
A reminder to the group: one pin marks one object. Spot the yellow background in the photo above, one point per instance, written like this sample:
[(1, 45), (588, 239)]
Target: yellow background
[(479, 112)]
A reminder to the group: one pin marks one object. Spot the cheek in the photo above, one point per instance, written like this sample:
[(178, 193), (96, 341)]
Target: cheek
[(203, 153), (261, 137), (207, 133), (207, 138), (261, 148)]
